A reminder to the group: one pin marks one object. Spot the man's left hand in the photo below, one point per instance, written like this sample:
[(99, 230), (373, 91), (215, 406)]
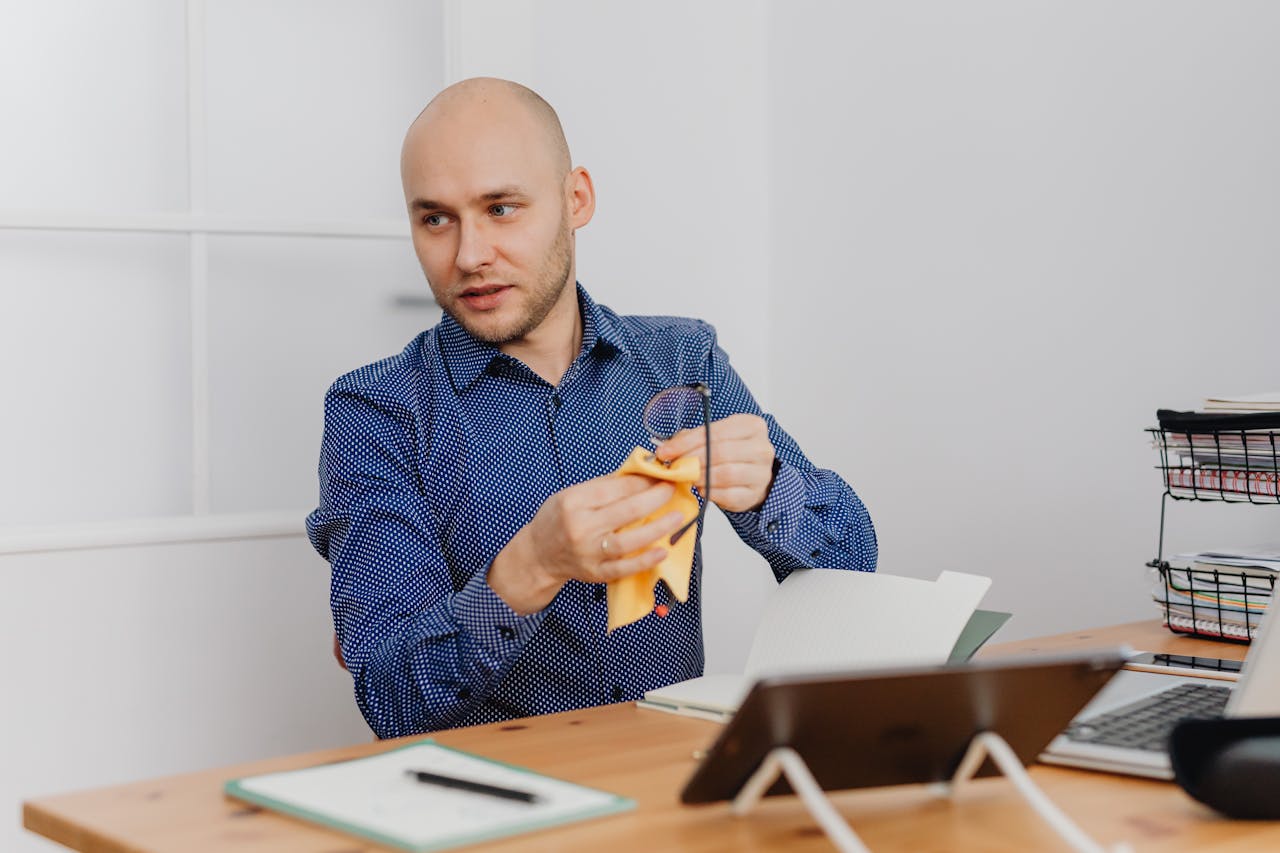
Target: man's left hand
[(741, 459)]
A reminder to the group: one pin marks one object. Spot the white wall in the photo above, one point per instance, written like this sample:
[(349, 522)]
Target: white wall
[(132, 662), (1005, 234), (961, 250)]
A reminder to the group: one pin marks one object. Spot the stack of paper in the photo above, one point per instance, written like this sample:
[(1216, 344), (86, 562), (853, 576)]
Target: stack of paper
[(1229, 452), (826, 620), (1268, 401), (1223, 592)]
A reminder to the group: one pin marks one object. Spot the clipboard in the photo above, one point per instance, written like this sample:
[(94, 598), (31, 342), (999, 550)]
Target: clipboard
[(374, 799)]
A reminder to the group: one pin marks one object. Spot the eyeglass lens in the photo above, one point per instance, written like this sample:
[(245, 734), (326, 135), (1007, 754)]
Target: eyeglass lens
[(672, 410), (675, 409)]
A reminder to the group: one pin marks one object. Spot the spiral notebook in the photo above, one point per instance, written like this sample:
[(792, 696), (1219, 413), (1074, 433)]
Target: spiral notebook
[(377, 799)]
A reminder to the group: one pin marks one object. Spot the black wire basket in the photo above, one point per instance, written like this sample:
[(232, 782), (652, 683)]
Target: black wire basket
[(1215, 603), (1225, 458), (1233, 465)]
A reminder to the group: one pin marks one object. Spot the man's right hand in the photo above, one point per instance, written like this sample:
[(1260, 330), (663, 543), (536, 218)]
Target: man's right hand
[(574, 536)]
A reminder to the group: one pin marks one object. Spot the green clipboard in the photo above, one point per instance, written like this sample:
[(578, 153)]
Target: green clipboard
[(374, 799)]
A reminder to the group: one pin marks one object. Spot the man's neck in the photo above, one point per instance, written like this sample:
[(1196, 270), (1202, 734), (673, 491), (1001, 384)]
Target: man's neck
[(549, 349)]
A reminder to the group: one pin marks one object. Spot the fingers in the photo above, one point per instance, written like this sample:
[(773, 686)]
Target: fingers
[(738, 487), (741, 459), (736, 429), (736, 475), (620, 568), (738, 453), (739, 498), (741, 425), (741, 462), (683, 443), (628, 542), (606, 490), (575, 534), (631, 546), (633, 507)]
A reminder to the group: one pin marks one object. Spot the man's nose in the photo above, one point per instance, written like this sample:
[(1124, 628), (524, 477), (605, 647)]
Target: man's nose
[(475, 248)]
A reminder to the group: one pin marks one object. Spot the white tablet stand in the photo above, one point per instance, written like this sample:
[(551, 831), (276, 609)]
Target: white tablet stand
[(785, 761)]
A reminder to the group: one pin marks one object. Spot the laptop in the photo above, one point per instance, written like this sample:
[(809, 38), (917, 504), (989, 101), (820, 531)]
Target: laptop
[(1126, 728)]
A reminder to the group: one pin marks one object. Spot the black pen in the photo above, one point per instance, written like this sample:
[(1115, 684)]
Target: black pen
[(474, 787)]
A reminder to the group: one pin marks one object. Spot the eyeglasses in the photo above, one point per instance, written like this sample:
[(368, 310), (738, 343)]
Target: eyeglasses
[(675, 409)]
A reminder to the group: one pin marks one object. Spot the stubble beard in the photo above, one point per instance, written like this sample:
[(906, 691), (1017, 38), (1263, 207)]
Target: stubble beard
[(549, 285)]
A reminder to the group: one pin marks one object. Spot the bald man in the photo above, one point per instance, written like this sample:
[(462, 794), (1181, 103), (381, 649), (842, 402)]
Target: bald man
[(465, 502)]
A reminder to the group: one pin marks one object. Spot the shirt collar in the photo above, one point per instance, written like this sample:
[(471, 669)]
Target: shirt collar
[(466, 357)]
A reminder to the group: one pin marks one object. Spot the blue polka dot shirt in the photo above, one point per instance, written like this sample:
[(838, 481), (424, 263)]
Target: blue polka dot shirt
[(433, 459)]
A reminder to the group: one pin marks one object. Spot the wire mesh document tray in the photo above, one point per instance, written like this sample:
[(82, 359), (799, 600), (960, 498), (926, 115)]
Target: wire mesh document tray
[(1224, 458)]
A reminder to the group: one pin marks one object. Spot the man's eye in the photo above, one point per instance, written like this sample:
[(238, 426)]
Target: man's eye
[(434, 220), (501, 210)]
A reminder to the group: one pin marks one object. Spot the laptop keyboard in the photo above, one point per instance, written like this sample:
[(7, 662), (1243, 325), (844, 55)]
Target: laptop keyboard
[(1147, 723)]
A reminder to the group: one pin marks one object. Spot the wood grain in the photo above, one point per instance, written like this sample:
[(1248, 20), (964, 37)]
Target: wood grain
[(648, 755)]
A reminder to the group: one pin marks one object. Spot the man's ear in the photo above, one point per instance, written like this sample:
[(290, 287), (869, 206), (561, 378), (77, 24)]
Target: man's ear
[(581, 197)]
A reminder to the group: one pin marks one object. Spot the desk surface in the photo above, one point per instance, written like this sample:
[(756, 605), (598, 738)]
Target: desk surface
[(648, 755)]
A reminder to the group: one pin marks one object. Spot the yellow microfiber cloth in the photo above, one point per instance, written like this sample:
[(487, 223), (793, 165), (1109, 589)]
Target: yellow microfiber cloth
[(631, 598)]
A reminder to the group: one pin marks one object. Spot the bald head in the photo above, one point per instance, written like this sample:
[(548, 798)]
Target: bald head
[(494, 204), (489, 101)]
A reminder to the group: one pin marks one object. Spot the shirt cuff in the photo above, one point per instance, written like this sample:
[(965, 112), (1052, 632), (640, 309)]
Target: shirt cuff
[(490, 621), (779, 517)]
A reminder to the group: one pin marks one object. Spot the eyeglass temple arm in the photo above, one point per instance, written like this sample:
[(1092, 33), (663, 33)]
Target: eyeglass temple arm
[(706, 468)]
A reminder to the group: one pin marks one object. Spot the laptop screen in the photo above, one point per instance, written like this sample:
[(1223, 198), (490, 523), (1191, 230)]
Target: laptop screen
[(1257, 694)]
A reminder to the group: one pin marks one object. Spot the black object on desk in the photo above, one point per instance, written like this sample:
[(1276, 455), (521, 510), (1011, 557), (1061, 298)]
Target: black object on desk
[(1232, 765), (474, 787)]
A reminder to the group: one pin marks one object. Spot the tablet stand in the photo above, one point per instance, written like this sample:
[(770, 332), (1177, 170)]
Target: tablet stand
[(785, 761)]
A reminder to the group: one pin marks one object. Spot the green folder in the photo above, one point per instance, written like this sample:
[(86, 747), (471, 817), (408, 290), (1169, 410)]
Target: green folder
[(376, 799), (981, 625)]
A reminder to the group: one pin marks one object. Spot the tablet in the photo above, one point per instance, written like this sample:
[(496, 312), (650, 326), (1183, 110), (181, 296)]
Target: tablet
[(900, 726)]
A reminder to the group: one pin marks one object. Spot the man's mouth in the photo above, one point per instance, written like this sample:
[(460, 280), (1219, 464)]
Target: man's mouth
[(484, 297)]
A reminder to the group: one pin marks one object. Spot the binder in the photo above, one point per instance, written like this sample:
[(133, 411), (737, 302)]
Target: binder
[(1208, 422)]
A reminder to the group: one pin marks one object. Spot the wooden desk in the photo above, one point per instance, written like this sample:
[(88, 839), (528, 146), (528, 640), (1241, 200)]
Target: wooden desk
[(648, 755)]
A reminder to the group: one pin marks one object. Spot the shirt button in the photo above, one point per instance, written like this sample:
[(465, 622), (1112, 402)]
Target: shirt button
[(617, 693), (598, 592), (464, 694), (556, 401), (507, 633), (813, 555), (772, 526)]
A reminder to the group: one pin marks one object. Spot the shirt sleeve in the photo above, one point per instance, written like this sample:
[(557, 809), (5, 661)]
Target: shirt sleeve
[(811, 518), (422, 646)]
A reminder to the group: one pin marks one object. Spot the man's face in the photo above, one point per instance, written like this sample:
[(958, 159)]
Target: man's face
[(489, 220)]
